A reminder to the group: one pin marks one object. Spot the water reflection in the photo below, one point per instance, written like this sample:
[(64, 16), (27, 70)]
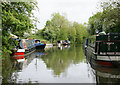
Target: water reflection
[(59, 60), (21, 64), (102, 74), (65, 64), (52, 65), (63, 47)]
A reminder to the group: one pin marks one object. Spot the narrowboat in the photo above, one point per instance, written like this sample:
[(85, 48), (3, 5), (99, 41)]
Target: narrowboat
[(66, 42), (63, 42), (39, 45), (19, 64), (39, 53), (104, 49), (24, 47)]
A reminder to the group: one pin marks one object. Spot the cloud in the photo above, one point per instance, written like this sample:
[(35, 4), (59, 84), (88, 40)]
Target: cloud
[(76, 10)]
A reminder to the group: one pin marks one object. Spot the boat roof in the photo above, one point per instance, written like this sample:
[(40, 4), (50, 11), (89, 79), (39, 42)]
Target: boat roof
[(36, 39)]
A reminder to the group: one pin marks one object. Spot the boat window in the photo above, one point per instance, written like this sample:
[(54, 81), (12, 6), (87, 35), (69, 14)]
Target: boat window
[(37, 41)]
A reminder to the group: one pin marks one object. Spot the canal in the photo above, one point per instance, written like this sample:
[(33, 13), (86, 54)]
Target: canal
[(66, 64)]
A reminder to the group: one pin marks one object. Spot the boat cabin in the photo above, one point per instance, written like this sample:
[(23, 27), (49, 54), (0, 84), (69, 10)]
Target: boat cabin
[(108, 44), (37, 41), (39, 45)]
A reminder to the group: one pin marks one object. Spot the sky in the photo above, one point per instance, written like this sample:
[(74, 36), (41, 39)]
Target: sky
[(74, 10)]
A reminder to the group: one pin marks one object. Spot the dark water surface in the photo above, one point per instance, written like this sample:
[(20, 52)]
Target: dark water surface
[(66, 64)]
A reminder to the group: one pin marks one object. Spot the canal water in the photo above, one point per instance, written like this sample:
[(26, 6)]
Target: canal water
[(65, 64)]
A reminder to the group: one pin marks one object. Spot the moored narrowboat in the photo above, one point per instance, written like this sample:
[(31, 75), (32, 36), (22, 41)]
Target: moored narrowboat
[(39, 45), (66, 42), (24, 47), (104, 49), (63, 42)]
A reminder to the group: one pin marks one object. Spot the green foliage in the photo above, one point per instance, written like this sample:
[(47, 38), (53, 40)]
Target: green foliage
[(7, 68), (15, 20), (59, 28), (72, 34), (34, 36), (95, 22), (108, 20)]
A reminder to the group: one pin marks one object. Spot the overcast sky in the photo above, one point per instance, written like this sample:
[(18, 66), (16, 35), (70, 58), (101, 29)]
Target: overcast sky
[(75, 10)]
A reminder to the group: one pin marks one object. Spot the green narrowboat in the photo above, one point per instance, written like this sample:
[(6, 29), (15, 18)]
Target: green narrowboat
[(104, 48)]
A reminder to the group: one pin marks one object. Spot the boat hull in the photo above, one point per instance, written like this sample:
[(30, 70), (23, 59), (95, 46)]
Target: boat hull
[(20, 54), (103, 49), (40, 46), (105, 61)]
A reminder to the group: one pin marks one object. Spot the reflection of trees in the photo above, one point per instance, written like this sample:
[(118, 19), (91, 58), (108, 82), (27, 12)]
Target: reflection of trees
[(7, 70), (10, 68), (79, 55), (59, 60)]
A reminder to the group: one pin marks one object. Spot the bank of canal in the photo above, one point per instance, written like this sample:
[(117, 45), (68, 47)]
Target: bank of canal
[(56, 65)]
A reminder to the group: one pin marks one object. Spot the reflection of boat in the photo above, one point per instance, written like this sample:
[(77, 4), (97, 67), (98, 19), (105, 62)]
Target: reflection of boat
[(67, 46), (107, 75), (104, 49), (39, 45), (39, 54), (18, 57), (64, 46), (20, 64), (63, 42), (103, 74)]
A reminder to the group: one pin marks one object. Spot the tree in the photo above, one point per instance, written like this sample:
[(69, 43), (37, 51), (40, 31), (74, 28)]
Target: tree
[(15, 20), (108, 19), (72, 34), (59, 28), (111, 17), (95, 22), (81, 32), (54, 28)]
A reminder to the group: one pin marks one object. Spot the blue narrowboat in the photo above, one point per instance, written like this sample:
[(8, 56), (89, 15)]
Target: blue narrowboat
[(24, 47), (39, 45)]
